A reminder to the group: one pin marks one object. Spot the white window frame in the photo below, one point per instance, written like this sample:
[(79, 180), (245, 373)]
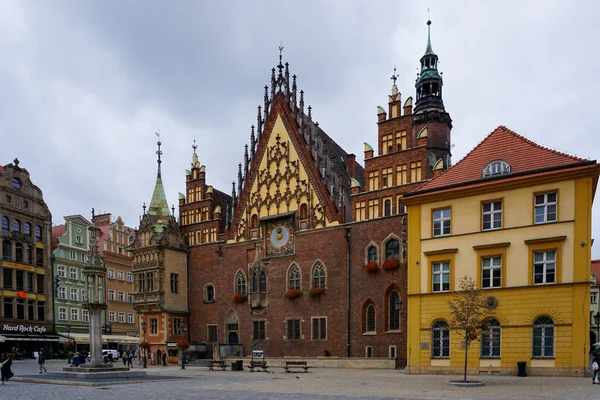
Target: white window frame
[(544, 205), (130, 318), (112, 316), (494, 269), (73, 255), (129, 276), (545, 264), (121, 317), (73, 273), (83, 295), (110, 273), (594, 297), (74, 294), (130, 297), (491, 214), (443, 217), (121, 296), (78, 239), (62, 313), (111, 295), (444, 271), (85, 315), (62, 293), (120, 275), (74, 314), (62, 271)]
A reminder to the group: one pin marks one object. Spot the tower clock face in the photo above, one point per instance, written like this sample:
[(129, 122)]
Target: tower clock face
[(279, 238)]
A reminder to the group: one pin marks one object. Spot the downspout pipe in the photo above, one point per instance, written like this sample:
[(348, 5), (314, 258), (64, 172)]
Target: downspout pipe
[(349, 294)]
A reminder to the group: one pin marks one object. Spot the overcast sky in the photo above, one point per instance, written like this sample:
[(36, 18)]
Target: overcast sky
[(85, 84)]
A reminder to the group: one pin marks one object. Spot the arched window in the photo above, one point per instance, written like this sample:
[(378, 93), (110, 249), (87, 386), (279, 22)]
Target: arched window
[(294, 278), (543, 337), (318, 275), (400, 207), (254, 223), (394, 310), (19, 252), (6, 250), (4, 224), (387, 208), (240, 283), (440, 340), (262, 283), (370, 318), (490, 340), (392, 249), (372, 254), (16, 225), (255, 282), (209, 293), (38, 233), (27, 228), (303, 211)]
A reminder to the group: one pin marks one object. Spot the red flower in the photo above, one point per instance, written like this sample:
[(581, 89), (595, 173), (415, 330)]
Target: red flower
[(183, 344), (22, 294), (317, 291), (371, 267), (293, 294), (391, 264), (239, 298)]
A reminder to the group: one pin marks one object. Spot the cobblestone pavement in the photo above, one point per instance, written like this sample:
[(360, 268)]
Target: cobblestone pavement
[(320, 384)]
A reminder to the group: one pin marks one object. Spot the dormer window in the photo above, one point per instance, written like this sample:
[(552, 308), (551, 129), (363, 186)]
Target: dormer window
[(497, 167)]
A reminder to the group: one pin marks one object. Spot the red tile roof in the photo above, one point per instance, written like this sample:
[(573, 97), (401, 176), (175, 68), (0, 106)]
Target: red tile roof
[(1, 169), (520, 153), (57, 231), (596, 269)]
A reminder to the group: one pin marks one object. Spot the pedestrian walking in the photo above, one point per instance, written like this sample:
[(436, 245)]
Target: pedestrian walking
[(42, 361), (130, 359), (164, 358), (124, 357), (596, 368), (5, 370)]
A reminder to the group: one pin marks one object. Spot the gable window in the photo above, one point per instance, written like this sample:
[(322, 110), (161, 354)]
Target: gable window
[(240, 283), (319, 328), (394, 312), (496, 167), (294, 278), (440, 278), (209, 293), (4, 224), (441, 222), (545, 207), (370, 318), (16, 183), (440, 340), (543, 338), (318, 275), (392, 249), (490, 340), (78, 239), (491, 272), (293, 329), (544, 267), (491, 213), (259, 330)]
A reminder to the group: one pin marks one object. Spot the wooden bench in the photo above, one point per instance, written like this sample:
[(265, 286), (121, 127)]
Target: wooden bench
[(296, 364), (258, 364), (216, 363)]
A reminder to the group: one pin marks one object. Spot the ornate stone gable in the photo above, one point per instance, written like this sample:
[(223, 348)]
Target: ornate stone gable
[(282, 177)]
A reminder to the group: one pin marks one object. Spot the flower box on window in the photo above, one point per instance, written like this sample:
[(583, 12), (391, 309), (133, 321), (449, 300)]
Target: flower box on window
[(239, 298), (371, 267), (144, 345), (391, 264), (317, 291), (293, 293)]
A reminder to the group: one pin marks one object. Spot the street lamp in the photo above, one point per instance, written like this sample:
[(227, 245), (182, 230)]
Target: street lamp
[(182, 329), (144, 332)]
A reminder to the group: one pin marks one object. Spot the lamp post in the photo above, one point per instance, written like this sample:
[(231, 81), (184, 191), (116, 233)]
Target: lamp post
[(182, 329), (144, 332), (597, 321)]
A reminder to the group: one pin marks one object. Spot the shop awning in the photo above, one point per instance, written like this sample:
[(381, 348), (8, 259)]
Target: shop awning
[(84, 338), (29, 338)]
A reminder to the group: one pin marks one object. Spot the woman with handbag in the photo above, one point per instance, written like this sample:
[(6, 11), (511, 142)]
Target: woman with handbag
[(5, 371)]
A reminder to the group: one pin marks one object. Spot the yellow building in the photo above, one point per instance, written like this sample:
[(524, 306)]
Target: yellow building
[(516, 217)]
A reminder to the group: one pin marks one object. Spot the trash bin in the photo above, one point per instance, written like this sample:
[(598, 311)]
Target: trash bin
[(239, 365), (522, 365), (234, 366)]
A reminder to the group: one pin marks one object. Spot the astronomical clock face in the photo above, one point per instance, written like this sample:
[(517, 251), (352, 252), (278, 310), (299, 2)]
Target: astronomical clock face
[(279, 238)]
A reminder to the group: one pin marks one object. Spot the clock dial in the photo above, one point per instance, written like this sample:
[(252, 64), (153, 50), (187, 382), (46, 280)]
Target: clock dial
[(279, 238)]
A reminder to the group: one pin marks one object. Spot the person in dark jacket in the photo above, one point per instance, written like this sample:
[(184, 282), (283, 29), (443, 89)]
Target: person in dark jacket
[(42, 360), (6, 372), (164, 358), (596, 371), (81, 358)]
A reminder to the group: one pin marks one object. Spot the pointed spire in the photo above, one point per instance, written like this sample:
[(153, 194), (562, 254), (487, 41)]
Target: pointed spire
[(194, 146), (240, 179), (252, 142), (158, 206), (294, 89), (280, 66), (246, 161), (429, 50), (302, 101), (259, 122), (158, 152), (287, 81)]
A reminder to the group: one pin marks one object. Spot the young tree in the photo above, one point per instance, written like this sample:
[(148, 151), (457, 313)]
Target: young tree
[(469, 310)]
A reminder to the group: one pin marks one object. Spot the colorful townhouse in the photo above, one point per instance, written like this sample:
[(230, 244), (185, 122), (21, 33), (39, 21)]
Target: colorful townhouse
[(516, 217)]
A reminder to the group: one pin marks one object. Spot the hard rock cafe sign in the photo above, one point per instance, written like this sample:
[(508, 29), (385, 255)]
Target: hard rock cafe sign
[(20, 328)]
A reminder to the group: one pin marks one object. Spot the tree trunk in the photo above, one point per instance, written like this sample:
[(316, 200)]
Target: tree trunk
[(466, 352)]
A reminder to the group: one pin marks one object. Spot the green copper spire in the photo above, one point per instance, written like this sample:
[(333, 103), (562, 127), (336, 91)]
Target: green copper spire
[(429, 50), (159, 207)]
